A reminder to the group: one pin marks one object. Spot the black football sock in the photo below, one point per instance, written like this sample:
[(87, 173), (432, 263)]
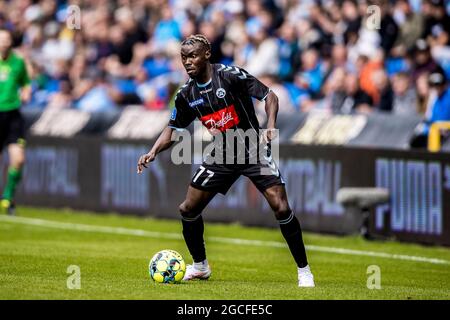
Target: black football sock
[(292, 232), (193, 236)]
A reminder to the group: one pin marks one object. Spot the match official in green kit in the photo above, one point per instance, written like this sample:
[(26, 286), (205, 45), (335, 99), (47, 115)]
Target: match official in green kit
[(15, 89)]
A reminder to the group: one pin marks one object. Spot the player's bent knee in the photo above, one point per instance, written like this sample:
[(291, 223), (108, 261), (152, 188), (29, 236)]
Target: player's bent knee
[(183, 208), (17, 156), (18, 162), (187, 210), (282, 212)]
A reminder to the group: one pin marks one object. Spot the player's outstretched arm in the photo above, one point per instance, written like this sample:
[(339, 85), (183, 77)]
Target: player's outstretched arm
[(272, 112), (163, 142)]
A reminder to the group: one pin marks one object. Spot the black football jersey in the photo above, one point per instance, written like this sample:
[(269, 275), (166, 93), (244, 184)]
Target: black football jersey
[(224, 102)]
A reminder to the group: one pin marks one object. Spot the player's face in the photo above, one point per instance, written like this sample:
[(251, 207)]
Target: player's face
[(194, 59), (5, 42)]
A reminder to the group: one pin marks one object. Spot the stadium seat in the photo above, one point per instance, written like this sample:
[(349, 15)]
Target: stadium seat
[(434, 137)]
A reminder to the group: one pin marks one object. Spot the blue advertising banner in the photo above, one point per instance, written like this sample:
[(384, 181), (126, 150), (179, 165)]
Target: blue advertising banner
[(99, 174)]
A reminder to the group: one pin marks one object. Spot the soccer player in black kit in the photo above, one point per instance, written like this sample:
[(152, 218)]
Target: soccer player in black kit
[(221, 98)]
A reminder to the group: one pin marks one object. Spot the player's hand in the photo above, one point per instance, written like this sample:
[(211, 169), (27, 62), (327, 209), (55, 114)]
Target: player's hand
[(269, 134), (144, 160), (25, 95)]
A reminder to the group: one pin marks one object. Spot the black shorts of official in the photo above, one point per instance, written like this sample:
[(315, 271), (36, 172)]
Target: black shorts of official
[(220, 177), (12, 128)]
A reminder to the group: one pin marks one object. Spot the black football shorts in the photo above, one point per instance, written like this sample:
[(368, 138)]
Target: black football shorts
[(12, 128), (220, 177)]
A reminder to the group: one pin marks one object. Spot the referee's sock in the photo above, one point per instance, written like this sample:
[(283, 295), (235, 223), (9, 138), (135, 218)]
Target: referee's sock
[(193, 229), (14, 177), (292, 232)]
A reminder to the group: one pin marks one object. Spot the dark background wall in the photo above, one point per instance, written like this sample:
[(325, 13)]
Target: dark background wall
[(92, 169)]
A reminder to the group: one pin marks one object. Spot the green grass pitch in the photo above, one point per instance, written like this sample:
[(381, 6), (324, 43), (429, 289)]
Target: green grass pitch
[(34, 258)]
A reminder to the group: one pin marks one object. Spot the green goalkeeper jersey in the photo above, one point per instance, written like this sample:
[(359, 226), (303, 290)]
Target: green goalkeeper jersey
[(13, 76)]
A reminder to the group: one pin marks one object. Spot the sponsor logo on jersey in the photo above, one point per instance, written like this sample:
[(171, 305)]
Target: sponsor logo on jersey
[(222, 120), (205, 91), (220, 93), (4, 72), (173, 115), (196, 102)]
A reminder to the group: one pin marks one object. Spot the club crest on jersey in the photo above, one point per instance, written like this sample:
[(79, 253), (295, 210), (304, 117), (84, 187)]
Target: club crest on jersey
[(196, 102), (220, 93)]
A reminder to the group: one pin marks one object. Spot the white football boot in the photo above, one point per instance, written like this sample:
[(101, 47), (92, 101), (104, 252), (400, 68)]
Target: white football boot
[(305, 277), (192, 272)]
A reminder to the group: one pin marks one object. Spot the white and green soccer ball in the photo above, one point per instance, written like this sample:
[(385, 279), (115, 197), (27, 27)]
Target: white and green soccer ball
[(167, 266)]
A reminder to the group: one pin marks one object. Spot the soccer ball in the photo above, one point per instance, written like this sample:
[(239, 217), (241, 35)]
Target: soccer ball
[(167, 266)]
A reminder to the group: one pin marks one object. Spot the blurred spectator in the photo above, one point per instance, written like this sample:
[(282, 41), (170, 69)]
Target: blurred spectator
[(315, 54), (339, 56), (311, 74), (260, 55), (167, 28), (437, 33), (439, 109), (334, 90), (422, 60), (351, 20), (437, 21), (405, 97), (384, 91), (93, 93), (411, 27), (350, 98), (388, 28), (285, 104), (129, 33), (368, 68), (55, 46), (216, 36), (288, 52), (423, 93)]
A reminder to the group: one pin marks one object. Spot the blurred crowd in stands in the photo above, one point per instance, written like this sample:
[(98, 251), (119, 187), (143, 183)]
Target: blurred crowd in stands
[(342, 56)]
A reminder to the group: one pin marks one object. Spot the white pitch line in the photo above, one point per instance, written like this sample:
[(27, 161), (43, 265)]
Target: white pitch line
[(176, 236)]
